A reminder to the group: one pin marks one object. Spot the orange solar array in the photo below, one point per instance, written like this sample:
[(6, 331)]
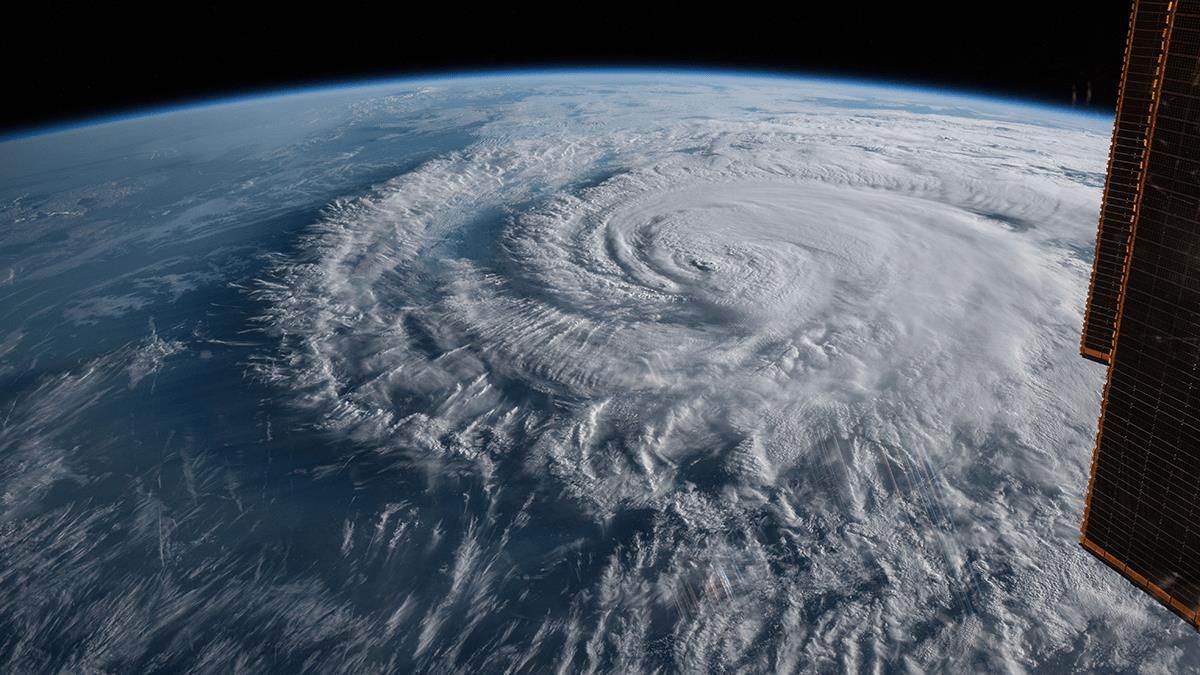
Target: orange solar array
[(1143, 317), (1139, 83)]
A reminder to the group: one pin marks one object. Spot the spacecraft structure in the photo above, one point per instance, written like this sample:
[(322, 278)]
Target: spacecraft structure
[(1142, 513)]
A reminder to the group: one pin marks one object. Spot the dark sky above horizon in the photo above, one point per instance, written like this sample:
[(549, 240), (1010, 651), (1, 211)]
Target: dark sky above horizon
[(108, 64)]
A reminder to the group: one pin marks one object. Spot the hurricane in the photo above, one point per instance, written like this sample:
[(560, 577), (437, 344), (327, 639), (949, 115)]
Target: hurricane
[(603, 373)]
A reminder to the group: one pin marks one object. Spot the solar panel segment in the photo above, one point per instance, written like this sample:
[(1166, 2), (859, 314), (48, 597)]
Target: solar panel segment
[(1138, 92)]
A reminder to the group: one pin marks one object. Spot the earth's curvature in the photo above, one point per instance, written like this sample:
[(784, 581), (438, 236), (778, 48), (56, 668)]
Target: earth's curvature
[(574, 372)]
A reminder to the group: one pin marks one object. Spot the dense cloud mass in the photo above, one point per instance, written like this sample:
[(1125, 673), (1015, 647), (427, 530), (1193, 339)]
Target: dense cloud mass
[(617, 374)]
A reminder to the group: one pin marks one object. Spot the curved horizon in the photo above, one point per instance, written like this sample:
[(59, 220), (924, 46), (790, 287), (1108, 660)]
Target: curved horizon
[(329, 86)]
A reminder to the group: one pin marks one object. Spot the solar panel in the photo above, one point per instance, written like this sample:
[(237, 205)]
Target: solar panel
[(1143, 504), (1126, 161)]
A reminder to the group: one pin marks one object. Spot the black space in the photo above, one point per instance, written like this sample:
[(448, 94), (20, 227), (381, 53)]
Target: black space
[(103, 65)]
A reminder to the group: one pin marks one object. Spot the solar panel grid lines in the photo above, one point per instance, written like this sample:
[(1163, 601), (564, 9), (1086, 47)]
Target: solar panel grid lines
[(1142, 511), (1126, 162)]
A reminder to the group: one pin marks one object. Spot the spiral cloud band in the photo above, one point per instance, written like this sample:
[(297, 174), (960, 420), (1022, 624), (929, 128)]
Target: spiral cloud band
[(784, 386)]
